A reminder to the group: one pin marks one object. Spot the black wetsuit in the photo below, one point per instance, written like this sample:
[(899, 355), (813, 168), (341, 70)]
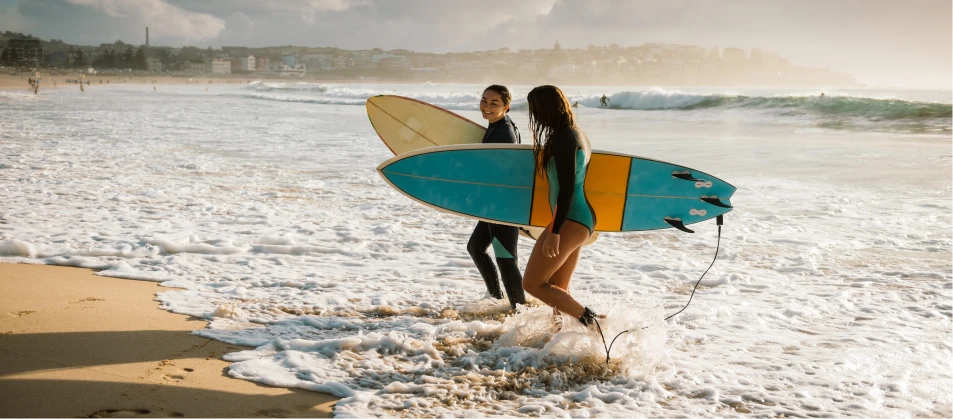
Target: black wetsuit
[(503, 238)]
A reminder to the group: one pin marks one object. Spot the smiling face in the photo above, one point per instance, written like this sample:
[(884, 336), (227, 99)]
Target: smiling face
[(492, 107)]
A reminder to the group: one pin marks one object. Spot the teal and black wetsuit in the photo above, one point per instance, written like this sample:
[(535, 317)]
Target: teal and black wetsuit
[(566, 174), (503, 238)]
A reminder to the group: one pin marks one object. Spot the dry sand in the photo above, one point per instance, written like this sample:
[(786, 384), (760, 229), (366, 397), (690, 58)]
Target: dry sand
[(76, 344)]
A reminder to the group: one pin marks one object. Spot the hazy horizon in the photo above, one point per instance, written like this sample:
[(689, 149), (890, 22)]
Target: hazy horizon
[(880, 42)]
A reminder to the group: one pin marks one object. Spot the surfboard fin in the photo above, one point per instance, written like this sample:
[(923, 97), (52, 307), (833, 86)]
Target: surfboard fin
[(675, 222), (715, 201), (686, 176), (528, 233)]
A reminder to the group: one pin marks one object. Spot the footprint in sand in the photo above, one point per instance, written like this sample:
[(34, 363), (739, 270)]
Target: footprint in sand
[(87, 299), (176, 377), (173, 377), (22, 313)]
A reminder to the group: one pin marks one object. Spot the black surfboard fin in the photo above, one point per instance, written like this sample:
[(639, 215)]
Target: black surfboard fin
[(715, 201), (675, 222), (686, 176), (528, 233)]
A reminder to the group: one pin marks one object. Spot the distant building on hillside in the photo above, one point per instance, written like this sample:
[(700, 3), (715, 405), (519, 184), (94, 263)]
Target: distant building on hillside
[(29, 51), (248, 63), (262, 63), (218, 66), (153, 64), (193, 67), (289, 60), (281, 69)]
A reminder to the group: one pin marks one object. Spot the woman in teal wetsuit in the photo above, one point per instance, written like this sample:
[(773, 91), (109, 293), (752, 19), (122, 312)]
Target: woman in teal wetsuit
[(562, 154)]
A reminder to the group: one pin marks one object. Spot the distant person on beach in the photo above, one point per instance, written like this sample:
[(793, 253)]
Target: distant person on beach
[(562, 152), (822, 94), (494, 105), (81, 88), (604, 101), (575, 104)]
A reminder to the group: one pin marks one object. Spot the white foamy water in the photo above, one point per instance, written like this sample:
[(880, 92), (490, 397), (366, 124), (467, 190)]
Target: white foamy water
[(831, 295)]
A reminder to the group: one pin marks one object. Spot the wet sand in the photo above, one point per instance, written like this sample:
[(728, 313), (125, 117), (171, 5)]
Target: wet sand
[(76, 344)]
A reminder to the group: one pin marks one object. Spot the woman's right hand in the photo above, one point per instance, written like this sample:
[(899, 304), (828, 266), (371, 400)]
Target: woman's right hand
[(551, 245)]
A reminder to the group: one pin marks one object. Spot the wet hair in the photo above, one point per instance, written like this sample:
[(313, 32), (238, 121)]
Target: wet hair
[(549, 111), (504, 93)]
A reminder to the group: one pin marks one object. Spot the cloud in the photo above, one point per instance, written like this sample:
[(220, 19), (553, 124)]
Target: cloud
[(10, 19), (92, 22), (165, 20), (421, 25)]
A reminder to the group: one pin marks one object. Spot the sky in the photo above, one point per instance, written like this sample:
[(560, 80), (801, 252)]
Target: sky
[(880, 42)]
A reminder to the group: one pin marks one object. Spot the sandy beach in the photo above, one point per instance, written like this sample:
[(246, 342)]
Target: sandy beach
[(9, 81), (76, 344), (20, 80)]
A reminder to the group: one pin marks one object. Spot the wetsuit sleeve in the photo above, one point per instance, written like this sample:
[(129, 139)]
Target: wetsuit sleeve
[(564, 156), (501, 133)]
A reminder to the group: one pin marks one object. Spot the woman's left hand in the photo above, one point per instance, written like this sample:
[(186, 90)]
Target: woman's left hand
[(551, 245)]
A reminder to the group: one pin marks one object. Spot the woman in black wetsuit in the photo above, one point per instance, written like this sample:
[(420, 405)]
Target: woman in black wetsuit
[(562, 154), (493, 106)]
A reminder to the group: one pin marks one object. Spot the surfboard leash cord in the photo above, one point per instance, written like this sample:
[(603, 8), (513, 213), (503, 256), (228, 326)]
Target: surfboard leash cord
[(720, 221)]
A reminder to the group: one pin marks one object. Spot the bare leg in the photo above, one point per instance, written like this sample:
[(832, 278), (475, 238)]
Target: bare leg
[(561, 278), (540, 269), (563, 275)]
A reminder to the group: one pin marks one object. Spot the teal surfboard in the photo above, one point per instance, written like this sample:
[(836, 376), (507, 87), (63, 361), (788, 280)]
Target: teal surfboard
[(496, 183)]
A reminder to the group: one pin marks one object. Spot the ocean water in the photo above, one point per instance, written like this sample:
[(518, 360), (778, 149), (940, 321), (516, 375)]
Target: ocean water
[(259, 206)]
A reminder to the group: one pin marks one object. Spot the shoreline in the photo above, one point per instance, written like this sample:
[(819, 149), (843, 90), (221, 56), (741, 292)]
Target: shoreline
[(19, 79), (76, 344)]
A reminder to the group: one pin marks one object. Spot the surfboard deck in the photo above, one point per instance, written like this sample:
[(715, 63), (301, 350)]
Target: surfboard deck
[(497, 183), (406, 124)]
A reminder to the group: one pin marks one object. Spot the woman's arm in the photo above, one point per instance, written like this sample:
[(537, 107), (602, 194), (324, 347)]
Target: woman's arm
[(564, 155)]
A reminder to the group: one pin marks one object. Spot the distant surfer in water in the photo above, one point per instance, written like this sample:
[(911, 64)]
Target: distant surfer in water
[(562, 153), (494, 105), (604, 101)]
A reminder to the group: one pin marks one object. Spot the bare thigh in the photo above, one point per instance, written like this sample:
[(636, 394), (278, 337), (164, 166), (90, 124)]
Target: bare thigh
[(563, 275), (541, 269)]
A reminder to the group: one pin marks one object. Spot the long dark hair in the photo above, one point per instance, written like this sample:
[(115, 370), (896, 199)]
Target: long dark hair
[(549, 111), (504, 93)]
